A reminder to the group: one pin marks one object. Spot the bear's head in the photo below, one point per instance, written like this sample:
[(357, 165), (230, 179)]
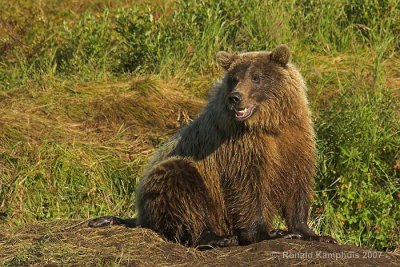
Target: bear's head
[(263, 88)]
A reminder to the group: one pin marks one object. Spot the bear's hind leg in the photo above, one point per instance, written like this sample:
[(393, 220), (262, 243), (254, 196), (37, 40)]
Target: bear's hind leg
[(174, 200)]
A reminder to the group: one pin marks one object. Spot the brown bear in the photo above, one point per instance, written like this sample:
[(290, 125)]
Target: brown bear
[(249, 156)]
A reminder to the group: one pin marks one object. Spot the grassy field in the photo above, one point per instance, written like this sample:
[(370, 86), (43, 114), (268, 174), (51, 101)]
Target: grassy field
[(88, 89)]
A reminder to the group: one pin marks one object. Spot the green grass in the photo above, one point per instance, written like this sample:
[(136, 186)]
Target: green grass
[(88, 90)]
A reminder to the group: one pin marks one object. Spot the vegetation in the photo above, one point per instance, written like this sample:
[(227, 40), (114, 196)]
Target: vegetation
[(89, 89)]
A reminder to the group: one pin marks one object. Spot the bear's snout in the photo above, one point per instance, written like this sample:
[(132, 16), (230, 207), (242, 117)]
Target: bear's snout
[(235, 98)]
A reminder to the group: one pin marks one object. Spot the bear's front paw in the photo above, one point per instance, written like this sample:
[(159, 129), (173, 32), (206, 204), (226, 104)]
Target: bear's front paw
[(211, 241), (278, 233), (293, 236)]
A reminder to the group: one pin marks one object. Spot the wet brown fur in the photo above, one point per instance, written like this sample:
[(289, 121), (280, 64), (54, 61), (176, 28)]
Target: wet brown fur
[(231, 177)]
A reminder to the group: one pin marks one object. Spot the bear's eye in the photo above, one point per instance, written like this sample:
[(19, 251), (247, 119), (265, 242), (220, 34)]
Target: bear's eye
[(255, 78), (234, 81)]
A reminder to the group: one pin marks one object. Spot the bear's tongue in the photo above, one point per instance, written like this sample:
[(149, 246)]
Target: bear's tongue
[(242, 113)]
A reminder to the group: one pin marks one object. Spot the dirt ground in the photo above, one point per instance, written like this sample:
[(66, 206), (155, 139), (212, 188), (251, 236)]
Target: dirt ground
[(66, 243)]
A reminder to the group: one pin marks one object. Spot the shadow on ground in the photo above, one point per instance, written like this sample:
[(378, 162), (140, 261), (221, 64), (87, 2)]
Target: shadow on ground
[(60, 243)]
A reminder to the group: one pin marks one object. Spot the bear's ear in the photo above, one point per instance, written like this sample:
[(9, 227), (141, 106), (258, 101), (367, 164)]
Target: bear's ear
[(281, 54), (225, 59)]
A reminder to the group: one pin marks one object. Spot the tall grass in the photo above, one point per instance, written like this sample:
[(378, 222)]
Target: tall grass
[(64, 140)]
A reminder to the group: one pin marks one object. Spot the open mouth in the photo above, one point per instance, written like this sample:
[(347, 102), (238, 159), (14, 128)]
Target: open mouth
[(243, 114)]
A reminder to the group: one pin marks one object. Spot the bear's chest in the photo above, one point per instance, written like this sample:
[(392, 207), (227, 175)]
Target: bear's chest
[(247, 156)]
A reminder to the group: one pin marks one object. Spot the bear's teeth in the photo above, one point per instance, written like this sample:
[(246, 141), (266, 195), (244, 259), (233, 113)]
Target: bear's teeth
[(241, 113)]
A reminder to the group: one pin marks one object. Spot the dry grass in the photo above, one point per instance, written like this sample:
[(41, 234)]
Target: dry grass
[(96, 112), (82, 138), (66, 243), (392, 67)]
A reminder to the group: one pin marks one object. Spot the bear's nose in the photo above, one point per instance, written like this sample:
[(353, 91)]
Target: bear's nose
[(235, 97)]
